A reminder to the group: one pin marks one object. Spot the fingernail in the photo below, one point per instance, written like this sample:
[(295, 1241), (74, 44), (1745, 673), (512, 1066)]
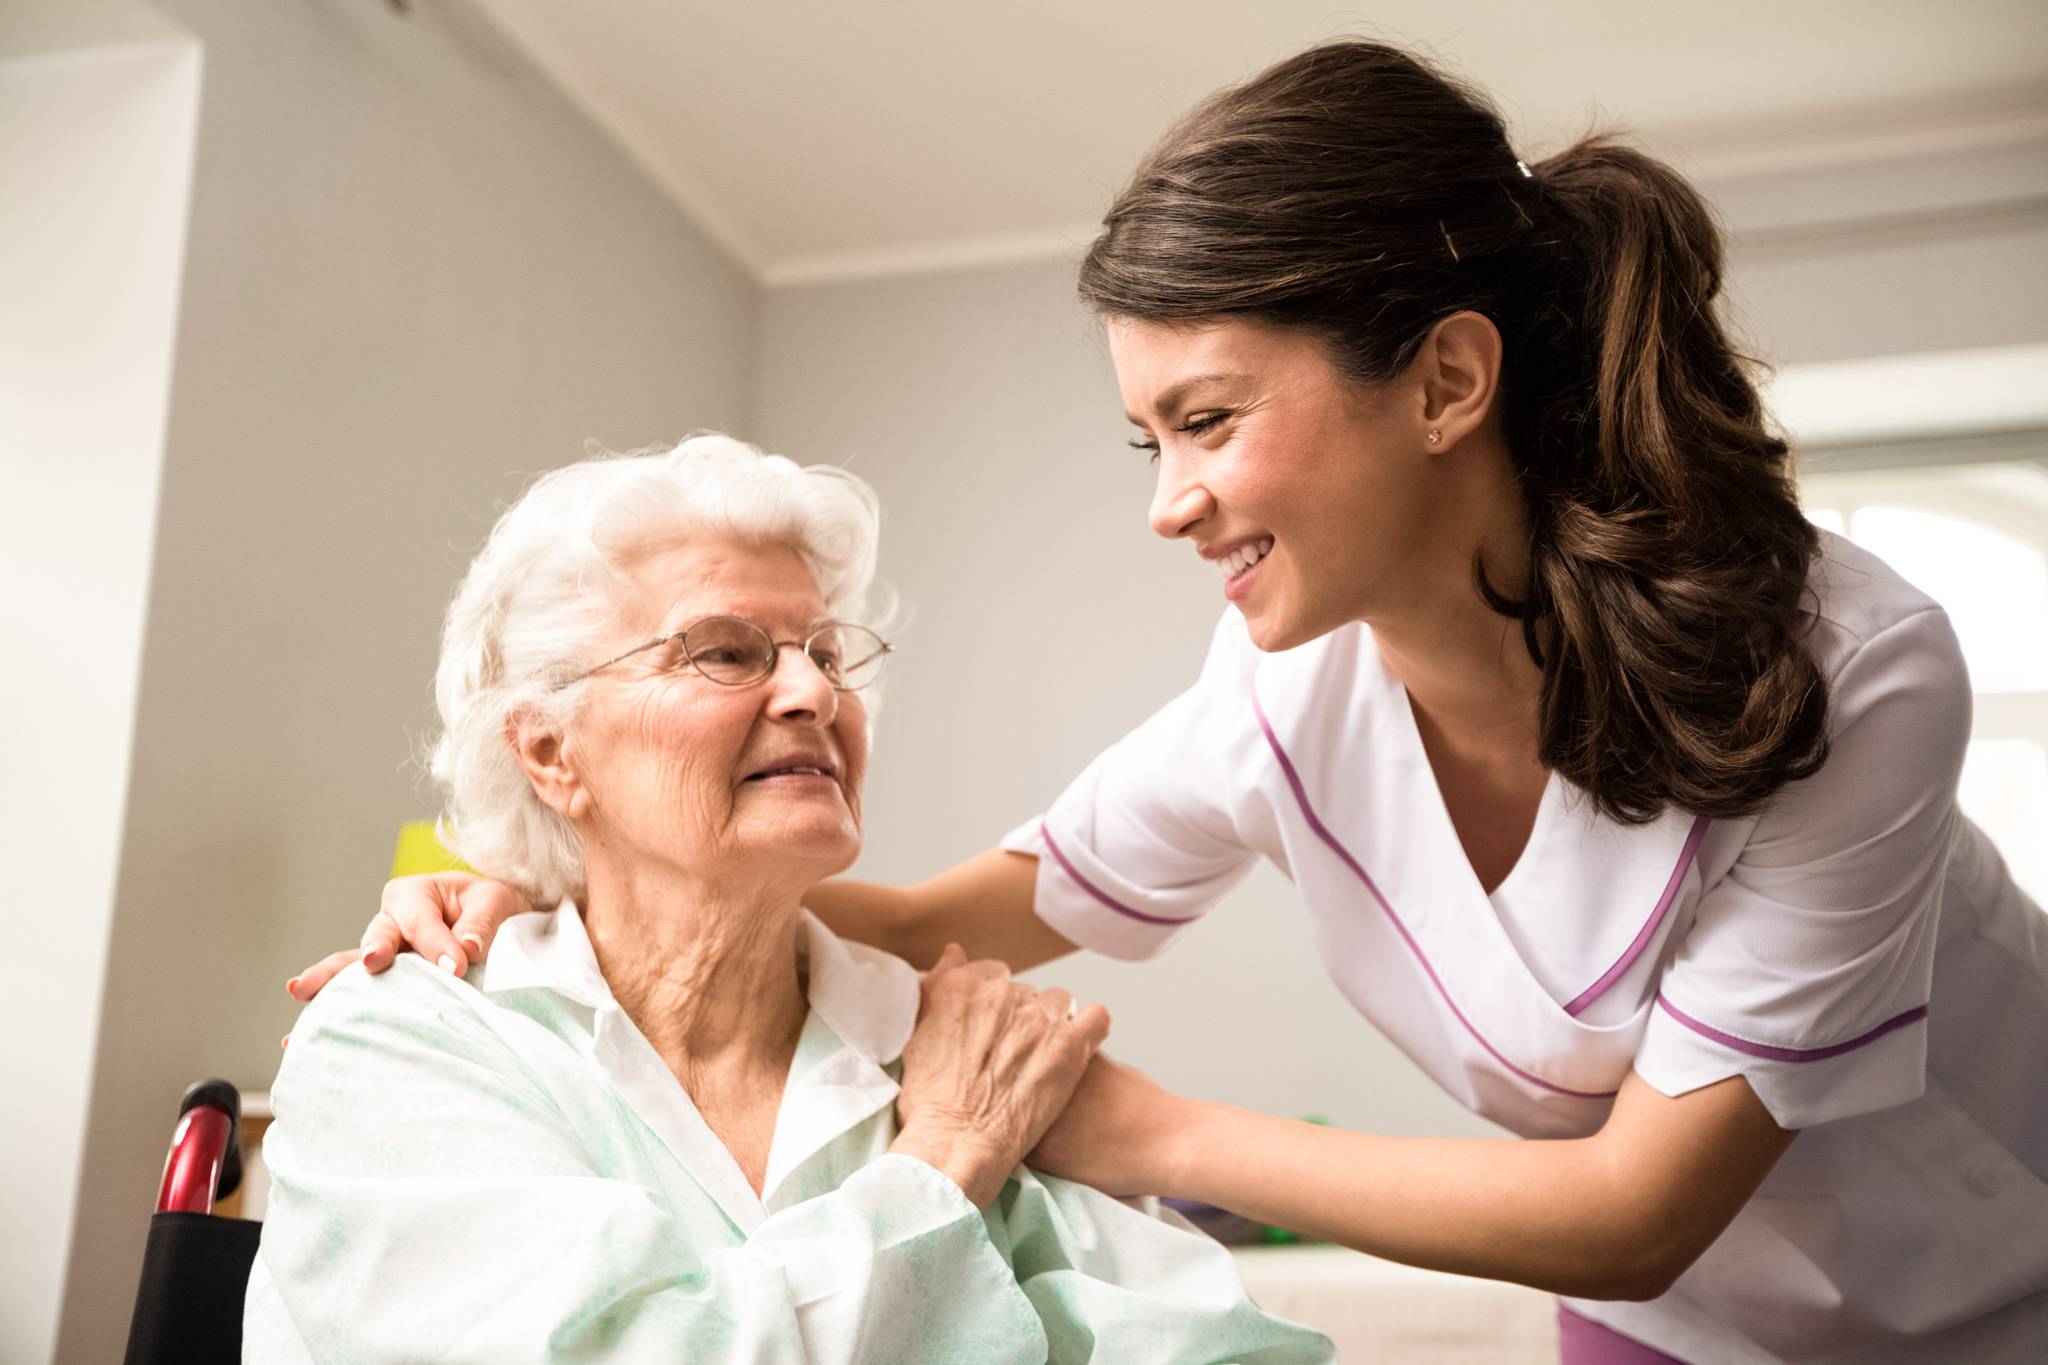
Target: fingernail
[(446, 964), (474, 944), (284, 1042), (291, 988)]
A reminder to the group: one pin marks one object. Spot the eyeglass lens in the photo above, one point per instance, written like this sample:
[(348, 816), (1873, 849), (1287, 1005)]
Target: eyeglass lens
[(734, 651)]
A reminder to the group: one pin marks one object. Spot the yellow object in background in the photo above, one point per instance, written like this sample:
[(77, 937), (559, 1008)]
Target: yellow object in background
[(419, 850)]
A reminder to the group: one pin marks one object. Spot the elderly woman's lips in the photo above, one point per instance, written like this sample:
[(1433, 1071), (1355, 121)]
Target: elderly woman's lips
[(792, 772)]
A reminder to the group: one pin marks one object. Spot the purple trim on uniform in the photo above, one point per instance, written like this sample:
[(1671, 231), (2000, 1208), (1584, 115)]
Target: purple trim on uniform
[(1308, 813), (1792, 1054), (1582, 1341), (1045, 833), (1649, 929)]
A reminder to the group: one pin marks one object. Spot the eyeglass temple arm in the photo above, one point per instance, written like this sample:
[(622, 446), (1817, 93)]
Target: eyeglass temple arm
[(636, 649)]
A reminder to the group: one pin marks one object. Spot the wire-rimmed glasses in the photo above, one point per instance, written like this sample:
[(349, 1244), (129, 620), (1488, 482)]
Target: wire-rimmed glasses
[(734, 652)]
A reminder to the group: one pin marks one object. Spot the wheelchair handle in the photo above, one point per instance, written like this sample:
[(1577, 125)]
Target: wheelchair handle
[(205, 1160)]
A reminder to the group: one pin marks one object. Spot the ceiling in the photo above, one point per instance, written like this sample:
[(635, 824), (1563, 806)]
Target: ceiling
[(815, 139)]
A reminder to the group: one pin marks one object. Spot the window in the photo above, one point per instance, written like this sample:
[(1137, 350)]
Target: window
[(1975, 538)]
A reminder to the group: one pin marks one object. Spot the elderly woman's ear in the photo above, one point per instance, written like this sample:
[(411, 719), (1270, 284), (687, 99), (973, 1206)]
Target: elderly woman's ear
[(543, 752)]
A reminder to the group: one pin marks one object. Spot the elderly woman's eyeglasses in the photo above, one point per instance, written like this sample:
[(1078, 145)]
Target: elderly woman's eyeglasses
[(733, 652)]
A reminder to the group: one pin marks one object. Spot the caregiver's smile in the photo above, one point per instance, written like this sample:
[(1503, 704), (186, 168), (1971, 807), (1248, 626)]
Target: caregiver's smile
[(1281, 472), (1239, 560)]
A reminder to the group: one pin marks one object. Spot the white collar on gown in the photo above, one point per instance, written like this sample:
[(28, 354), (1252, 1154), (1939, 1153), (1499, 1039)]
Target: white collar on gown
[(863, 1004)]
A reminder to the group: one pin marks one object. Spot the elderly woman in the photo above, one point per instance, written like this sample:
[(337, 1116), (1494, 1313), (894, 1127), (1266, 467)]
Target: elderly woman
[(676, 1118)]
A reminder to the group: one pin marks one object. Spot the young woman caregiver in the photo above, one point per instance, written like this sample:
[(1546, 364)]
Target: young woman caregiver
[(1621, 798)]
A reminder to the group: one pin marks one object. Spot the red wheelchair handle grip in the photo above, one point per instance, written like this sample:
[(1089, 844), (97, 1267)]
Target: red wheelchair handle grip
[(192, 1171)]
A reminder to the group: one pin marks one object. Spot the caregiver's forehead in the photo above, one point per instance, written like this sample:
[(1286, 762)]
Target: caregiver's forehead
[(1162, 366), (676, 582)]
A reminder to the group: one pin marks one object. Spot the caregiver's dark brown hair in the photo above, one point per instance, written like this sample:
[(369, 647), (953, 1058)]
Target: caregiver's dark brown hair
[(1357, 193)]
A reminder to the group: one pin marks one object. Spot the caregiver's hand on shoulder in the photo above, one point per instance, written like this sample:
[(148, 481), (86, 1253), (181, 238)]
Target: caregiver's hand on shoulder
[(1116, 1133), (989, 1066), (448, 918)]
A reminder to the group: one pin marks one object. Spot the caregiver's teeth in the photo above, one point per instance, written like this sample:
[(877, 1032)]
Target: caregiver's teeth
[(1242, 558)]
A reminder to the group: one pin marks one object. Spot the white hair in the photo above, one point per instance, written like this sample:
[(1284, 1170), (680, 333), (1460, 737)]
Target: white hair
[(541, 599)]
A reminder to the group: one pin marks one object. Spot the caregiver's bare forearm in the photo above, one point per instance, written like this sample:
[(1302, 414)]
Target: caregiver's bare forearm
[(865, 912), (984, 905), (1618, 1215)]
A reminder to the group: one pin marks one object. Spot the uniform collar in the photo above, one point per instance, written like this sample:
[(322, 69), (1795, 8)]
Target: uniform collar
[(868, 997)]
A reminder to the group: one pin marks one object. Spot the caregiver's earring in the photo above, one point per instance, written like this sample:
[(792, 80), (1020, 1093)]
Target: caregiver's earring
[(1436, 438)]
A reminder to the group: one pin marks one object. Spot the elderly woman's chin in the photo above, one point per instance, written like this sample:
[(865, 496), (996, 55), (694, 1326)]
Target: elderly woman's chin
[(805, 817)]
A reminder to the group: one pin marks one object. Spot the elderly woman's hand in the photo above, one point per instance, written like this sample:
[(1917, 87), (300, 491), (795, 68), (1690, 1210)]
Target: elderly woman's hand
[(448, 918), (988, 1068)]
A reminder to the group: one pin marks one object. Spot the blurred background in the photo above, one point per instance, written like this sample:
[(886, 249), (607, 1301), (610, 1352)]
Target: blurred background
[(294, 296)]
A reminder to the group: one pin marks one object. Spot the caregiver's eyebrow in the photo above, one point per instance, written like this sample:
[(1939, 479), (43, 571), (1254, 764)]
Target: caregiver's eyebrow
[(1169, 401)]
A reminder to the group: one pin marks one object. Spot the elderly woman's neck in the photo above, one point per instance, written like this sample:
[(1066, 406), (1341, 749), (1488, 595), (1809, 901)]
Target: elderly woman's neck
[(708, 976)]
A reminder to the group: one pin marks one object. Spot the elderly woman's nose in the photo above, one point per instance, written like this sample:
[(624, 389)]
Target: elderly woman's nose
[(799, 688)]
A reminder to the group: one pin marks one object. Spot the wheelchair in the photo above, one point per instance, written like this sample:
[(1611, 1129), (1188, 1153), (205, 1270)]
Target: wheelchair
[(195, 1268)]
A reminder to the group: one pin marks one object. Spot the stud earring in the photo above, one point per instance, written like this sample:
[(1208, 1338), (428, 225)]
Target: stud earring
[(1436, 438)]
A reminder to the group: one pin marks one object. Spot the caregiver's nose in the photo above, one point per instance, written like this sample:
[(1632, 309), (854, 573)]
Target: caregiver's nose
[(1178, 506)]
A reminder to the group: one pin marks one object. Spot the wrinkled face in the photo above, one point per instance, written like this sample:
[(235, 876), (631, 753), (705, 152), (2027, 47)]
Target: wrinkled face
[(760, 780), (1306, 494)]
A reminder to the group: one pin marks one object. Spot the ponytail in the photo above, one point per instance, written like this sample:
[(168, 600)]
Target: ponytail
[(1668, 553)]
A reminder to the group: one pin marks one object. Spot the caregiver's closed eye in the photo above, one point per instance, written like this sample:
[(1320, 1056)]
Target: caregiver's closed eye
[(1193, 426)]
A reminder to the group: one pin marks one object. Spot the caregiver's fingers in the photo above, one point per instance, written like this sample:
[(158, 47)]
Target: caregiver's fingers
[(416, 912), (485, 905), (383, 941), (307, 983)]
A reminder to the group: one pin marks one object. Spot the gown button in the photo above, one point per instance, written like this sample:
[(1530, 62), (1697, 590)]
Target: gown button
[(1982, 1181)]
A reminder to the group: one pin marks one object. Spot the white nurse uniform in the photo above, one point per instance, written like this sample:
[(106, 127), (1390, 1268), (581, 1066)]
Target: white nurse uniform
[(1858, 951)]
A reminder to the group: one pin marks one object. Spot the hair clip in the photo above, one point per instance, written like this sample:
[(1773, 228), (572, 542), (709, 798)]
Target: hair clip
[(1523, 167)]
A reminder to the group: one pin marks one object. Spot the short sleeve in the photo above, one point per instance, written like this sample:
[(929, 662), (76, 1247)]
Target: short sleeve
[(1807, 969), (1145, 840)]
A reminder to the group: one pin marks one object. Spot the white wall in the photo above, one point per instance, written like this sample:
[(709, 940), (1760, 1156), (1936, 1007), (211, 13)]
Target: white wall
[(97, 112), (1900, 246), (981, 403), (414, 276)]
